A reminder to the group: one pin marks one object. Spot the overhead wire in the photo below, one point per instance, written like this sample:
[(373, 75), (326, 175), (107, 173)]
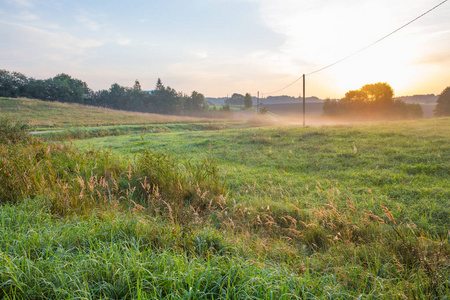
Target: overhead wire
[(361, 50)]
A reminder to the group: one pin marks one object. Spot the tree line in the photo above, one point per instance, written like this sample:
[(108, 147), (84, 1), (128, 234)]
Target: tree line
[(238, 99), (372, 101), (64, 88)]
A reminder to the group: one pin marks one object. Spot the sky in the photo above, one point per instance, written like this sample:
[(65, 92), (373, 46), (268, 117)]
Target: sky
[(221, 47)]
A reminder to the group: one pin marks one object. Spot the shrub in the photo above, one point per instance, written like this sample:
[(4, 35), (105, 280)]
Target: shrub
[(13, 133)]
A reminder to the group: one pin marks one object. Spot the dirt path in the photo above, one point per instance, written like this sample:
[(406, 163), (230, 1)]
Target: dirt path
[(46, 131)]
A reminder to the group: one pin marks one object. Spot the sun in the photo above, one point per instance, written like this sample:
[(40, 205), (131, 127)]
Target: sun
[(393, 64)]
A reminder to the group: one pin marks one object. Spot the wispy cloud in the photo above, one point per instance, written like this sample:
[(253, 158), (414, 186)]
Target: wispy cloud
[(123, 41), (200, 54), (22, 3), (40, 44), (27, 16), (437, 58), (88, 23)]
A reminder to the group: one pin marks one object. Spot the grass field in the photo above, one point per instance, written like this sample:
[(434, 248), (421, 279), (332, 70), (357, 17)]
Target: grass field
[(390, 163), (339, 212)]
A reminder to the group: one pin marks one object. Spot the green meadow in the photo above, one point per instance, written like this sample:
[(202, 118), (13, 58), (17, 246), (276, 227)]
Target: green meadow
[(220, 210), (404, 165)]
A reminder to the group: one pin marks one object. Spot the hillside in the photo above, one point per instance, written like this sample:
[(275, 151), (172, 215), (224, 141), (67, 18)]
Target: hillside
[(56, 115)]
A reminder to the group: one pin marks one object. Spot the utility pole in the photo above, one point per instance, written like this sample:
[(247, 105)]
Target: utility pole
[(304, 100), (257, 104)]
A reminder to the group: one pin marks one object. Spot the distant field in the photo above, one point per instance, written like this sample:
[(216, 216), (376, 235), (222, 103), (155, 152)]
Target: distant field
[(295, 110), (314, 110), (41, 114)]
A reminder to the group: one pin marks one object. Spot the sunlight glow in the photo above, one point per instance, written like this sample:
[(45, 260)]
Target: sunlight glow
[(340, 32)]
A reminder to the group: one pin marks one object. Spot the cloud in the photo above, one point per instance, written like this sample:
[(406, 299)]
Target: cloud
[(123, 41), (438, 58), (33, 44), (27, 16), (88, 23), (22, 3), (90, 43), (200, 54)]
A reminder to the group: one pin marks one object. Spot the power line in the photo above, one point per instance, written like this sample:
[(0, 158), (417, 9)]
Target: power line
[(285, 86), (363, 49), (377, 41)]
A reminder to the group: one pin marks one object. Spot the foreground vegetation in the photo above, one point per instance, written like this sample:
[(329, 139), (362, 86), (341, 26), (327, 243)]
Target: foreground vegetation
[(268, 213)]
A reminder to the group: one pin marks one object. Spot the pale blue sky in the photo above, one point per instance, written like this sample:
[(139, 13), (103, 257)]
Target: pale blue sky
[(219, 47)]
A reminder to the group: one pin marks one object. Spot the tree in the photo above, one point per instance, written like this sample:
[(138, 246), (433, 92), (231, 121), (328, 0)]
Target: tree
[(166, 100), (120, 97), (372, 101), (248, 102), (357, 95), (137, 85), (377, 92), (195, 102), (70, 89), (236, 99), (442, 108), (159, 84), (12, 84)]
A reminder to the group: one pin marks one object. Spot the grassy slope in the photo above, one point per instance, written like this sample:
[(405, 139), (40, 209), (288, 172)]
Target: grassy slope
[(42, 114)]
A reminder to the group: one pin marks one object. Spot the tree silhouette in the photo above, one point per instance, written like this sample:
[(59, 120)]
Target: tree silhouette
[(372, 101), (159, 85), (379, 92), (248, 102), (137, 85), (442, 108)]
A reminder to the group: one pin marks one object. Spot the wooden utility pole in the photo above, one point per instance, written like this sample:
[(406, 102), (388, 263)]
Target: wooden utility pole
[(304, 100), (257, 104)]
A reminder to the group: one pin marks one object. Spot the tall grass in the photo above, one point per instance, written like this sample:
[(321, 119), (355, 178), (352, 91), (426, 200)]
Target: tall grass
[(162, 226), (77, 182), (119, 256)]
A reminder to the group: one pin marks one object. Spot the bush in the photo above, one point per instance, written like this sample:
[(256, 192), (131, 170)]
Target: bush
[(13, 133)]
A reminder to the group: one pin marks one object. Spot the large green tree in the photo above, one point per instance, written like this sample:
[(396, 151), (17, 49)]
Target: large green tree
[(248, 102), (442, 108), (195, 102), (236, 99), (12, 84), (166, 100), (70, 89)]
